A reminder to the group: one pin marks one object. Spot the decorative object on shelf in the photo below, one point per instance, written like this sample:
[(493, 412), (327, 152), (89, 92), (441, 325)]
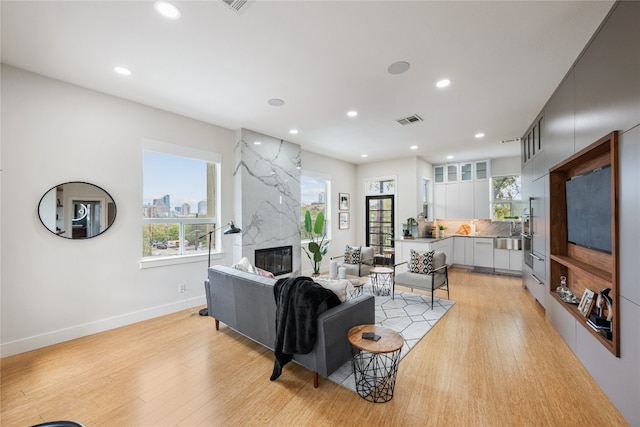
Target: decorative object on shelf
[(344, 201), (314, 232), (441, 229), (586, 302), (343, 221), (565, 293), (598, 322)]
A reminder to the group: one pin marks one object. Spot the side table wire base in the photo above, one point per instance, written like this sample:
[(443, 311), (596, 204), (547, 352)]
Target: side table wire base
[(375, 374)]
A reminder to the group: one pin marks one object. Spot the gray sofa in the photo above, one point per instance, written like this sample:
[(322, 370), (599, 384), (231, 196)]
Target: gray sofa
[(245, 302)]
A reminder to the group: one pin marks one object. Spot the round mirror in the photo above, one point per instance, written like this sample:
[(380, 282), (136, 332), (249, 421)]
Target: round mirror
[(77, 210)]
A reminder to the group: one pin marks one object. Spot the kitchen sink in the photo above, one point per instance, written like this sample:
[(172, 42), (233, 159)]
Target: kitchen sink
[(511, 243)]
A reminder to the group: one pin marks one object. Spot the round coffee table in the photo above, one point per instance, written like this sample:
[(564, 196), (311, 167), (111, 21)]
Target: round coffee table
[(382, 281), (375, 363)]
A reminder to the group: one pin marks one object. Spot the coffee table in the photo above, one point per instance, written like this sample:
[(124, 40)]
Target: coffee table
[(375, 363)]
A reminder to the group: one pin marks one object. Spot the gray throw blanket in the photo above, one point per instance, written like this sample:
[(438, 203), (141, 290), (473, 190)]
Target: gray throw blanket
[(299, 300)]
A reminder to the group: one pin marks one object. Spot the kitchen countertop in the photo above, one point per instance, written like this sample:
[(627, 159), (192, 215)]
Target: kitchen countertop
[(436, 239)]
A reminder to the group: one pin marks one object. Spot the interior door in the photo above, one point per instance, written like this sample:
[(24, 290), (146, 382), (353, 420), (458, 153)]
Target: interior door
[(380, 220)]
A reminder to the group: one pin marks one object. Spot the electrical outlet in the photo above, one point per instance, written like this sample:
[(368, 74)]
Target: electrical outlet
[(182, 288)]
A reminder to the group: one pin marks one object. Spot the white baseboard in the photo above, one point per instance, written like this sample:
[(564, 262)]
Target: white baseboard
[(61, 335)]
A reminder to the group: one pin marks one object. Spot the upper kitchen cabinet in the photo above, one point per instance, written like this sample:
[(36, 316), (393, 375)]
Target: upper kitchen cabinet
[(533, 149), (559, 124), (603, 103), (462, 190)]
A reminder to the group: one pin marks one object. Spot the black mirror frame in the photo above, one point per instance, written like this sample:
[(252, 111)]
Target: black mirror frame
[(55, 187)]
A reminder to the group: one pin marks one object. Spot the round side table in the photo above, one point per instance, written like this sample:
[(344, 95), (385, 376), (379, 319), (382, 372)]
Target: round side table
[(382, 281), (375, 363)]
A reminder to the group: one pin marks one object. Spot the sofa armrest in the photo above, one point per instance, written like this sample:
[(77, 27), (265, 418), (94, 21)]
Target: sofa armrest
[(332, 349)]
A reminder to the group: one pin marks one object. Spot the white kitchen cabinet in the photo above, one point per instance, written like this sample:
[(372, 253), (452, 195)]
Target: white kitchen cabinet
[(458, 250), (501, 259), (483, 252), (468, 251), (439, 201), (452, 172), (506, 259), (452, 201), (481, 199), (515, 260), (466, 172), (466, 206), (438, 174), (446, 246)]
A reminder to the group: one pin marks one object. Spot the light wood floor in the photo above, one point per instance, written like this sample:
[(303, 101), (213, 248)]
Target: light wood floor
[(493, 360)]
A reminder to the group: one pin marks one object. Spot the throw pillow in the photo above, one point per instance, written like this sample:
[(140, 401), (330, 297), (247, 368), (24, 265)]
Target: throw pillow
[(265, 273), (421, 262), (352, 254), (245, 265), (340, 287)]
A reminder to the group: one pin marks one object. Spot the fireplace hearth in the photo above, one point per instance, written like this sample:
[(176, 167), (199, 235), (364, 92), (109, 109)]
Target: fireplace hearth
[(278, 260)]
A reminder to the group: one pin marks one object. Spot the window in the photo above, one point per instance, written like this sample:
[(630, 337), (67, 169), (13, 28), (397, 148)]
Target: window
[(314, 192), (506, 197), (179, 205)]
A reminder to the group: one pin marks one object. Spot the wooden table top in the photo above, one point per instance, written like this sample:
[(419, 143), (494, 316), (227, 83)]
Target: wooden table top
[(390, 340)]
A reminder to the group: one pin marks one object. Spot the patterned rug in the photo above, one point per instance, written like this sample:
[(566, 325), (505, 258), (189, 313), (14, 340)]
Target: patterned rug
[(408, 314)]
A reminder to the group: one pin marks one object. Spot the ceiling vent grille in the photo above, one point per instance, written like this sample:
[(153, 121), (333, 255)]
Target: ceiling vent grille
[(509, 141), (236, 5), (409, 120)]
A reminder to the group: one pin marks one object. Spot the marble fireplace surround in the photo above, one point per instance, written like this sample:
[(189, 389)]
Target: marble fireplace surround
[(267, 195)]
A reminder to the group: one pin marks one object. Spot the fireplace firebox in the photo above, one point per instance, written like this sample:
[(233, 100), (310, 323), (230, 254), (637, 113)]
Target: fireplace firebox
[(278, 260)]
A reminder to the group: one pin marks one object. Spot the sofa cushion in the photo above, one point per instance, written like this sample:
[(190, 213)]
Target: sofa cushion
[(352, 254), (340, 287), (245, 265), (421, 262)]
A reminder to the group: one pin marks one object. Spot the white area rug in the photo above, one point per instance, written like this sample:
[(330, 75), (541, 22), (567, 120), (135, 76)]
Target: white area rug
[(408, 314)]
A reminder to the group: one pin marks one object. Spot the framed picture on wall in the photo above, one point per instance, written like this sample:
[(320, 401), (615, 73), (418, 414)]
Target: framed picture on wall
[(344, 201), (343, 222)]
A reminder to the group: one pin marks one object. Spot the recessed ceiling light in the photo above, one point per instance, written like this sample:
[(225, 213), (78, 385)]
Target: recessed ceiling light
[(364, 155), (293, 131), (257, 142), (275, 102), (449, 157), (443, 83), (167, 9), (479, 135), (352, 113), (398, 67), (122, 71), (413, 147)]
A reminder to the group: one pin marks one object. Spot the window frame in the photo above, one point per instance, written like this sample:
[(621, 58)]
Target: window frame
[(515, 204), (182, 258), (327, 205)]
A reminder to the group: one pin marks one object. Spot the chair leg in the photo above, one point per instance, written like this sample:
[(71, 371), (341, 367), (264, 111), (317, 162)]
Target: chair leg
[(315, 380)]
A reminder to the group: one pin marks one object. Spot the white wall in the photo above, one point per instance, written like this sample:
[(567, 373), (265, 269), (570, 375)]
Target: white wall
[(55, 289), (505, 166), (408, 177), (343, 180)]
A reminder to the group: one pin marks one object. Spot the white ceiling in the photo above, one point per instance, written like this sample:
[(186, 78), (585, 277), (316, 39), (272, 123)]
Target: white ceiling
[(323, 58)]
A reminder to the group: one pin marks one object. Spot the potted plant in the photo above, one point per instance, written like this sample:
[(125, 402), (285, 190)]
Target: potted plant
[(441, 229), (410, 223), (317, 246)]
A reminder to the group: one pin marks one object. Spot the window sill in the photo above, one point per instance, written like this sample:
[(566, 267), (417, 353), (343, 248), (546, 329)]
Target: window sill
[(177, 260)]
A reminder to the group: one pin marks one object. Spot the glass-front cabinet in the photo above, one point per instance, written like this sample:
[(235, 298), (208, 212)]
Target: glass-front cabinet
[(466, 173)]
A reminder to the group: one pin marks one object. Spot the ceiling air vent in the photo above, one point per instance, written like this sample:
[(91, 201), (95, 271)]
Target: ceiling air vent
[(509, 141), (236, 5), (411, 119)]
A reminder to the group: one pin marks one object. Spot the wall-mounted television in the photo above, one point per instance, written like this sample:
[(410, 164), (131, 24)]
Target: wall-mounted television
[(589, 209)]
